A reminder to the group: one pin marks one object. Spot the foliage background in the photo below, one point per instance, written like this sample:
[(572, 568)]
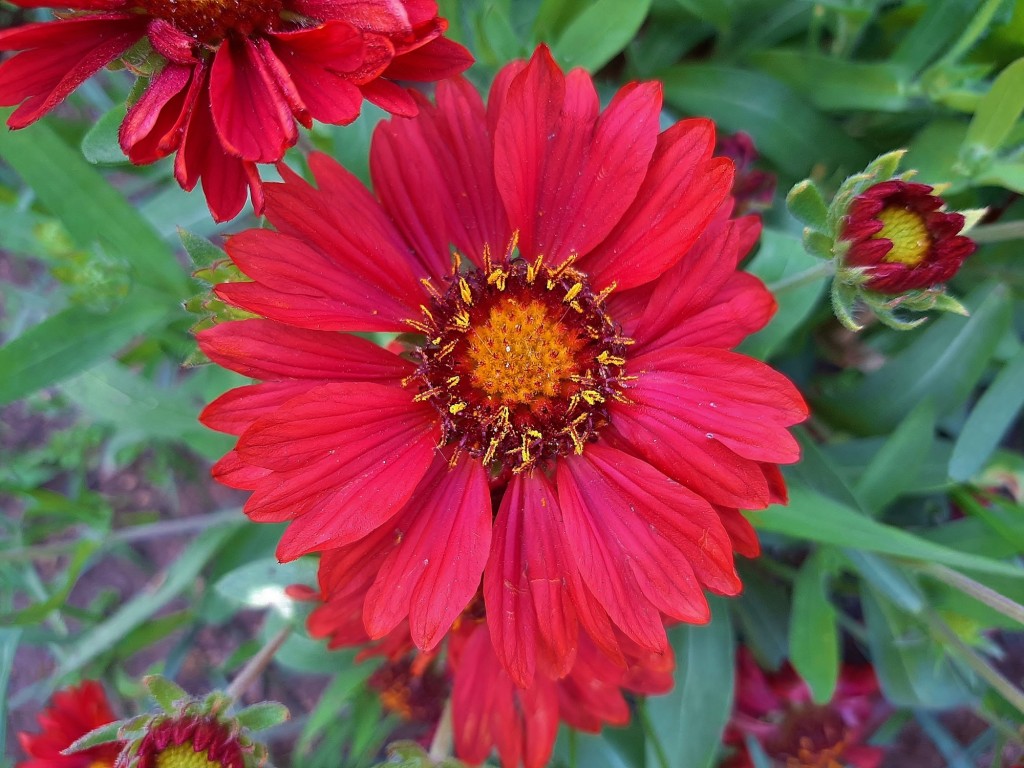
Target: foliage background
[(903, 537)]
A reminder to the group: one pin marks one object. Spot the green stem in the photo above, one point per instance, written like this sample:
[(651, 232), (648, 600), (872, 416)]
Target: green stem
[(257, 664), (800, 279), (978, 591), (126, 535), (976, 662), (652, 737), (997, 233), (441, 744), (974, 30)]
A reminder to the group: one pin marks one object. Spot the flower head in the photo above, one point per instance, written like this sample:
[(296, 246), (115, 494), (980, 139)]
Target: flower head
[(188, 741), (73, 712), (566, 432), (901, 239), (752, 187), (776, 710), (229, 80)]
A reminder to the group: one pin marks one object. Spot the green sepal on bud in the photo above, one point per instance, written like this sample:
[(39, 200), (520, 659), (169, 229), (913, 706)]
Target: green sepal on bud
[(212, 266)]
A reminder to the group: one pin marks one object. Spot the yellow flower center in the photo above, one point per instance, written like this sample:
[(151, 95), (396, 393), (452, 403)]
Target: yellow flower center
[(184, 756), (100, 764), (908, 233), (521, 352)]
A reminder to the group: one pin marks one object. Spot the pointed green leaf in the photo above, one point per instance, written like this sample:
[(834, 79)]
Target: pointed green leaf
[(813, 633), (264, 715), (165, 692), (806, 203), (895, 466), (202, 252), (105, 734), (599, 32), (997, 113), (101, 145)]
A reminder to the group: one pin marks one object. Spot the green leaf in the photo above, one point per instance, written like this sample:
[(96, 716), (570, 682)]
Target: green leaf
[(101, 145), (992, 417), (165, 692), (9, 640), (105, 734), (933, 32), (780, 257), (261, 584), (895, 467), (90, 208), (806, 203), (554, 15), (786, 129), (599, 32), (181, 575), (888, 578), (814, 517), (944, 364), (36, 613), (688, 722), (1005, 174), (263, 715), (913, 669), (997, 113), (813, 634), (838, 84), (335, 697), (71, 341), (762, 613), (202, 252)]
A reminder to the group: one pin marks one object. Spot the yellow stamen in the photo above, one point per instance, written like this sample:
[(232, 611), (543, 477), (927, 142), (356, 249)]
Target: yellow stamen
[(908, 233)]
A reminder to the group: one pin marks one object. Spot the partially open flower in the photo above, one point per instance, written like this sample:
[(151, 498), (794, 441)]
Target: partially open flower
[(776, 711), (229, 80), (901, 238), (73, 712), (190, 741), (752, 187)]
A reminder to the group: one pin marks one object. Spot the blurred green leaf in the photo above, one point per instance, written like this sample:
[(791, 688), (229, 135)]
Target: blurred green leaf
[(37, 612), (600, 31), (813, 634), (688, 722), (944, 364), (785, 128), (814, 517), (90, 208), (938, 25), (1003, 174), (102, 637), (895, 467), (997, 113), (71, 341), (261, 584), (990, 420), (265, 714), (835, 84), (780, 258), (9, 639), (335, 697), (101, 145), (762, 612)]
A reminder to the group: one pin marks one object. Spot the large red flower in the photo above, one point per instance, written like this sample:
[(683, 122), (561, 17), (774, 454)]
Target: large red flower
[(776, 710), (72, 713), (233, 77), (567, 421)]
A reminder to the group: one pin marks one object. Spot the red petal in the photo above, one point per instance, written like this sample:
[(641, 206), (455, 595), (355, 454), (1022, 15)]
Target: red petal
[(251, 115), (438, 60), (737, 401), (155, 124), (633, 571), (680, 194), (435, 175), (235, 410), (741, 532), (301, 285), (310, 66), (263, 349), (235, 473), (60, 56), (525, 584), (346, 457), (347, 224)]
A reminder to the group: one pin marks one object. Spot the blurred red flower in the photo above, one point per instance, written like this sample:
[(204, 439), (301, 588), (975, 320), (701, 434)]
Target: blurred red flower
[(752, 187), (777, 711), (231, 78), (902, 239), (567, 422), (72, 713)]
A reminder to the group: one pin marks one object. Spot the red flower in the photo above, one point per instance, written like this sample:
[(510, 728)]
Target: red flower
[(234, 77), (72, 713), (776, 709), (900, 237), (569, 423), (189, 740), (752, 187)]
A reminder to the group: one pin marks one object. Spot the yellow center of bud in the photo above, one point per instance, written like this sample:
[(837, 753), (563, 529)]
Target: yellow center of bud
[(184, 756), (908, 234), (521, 352), (100, 764)]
